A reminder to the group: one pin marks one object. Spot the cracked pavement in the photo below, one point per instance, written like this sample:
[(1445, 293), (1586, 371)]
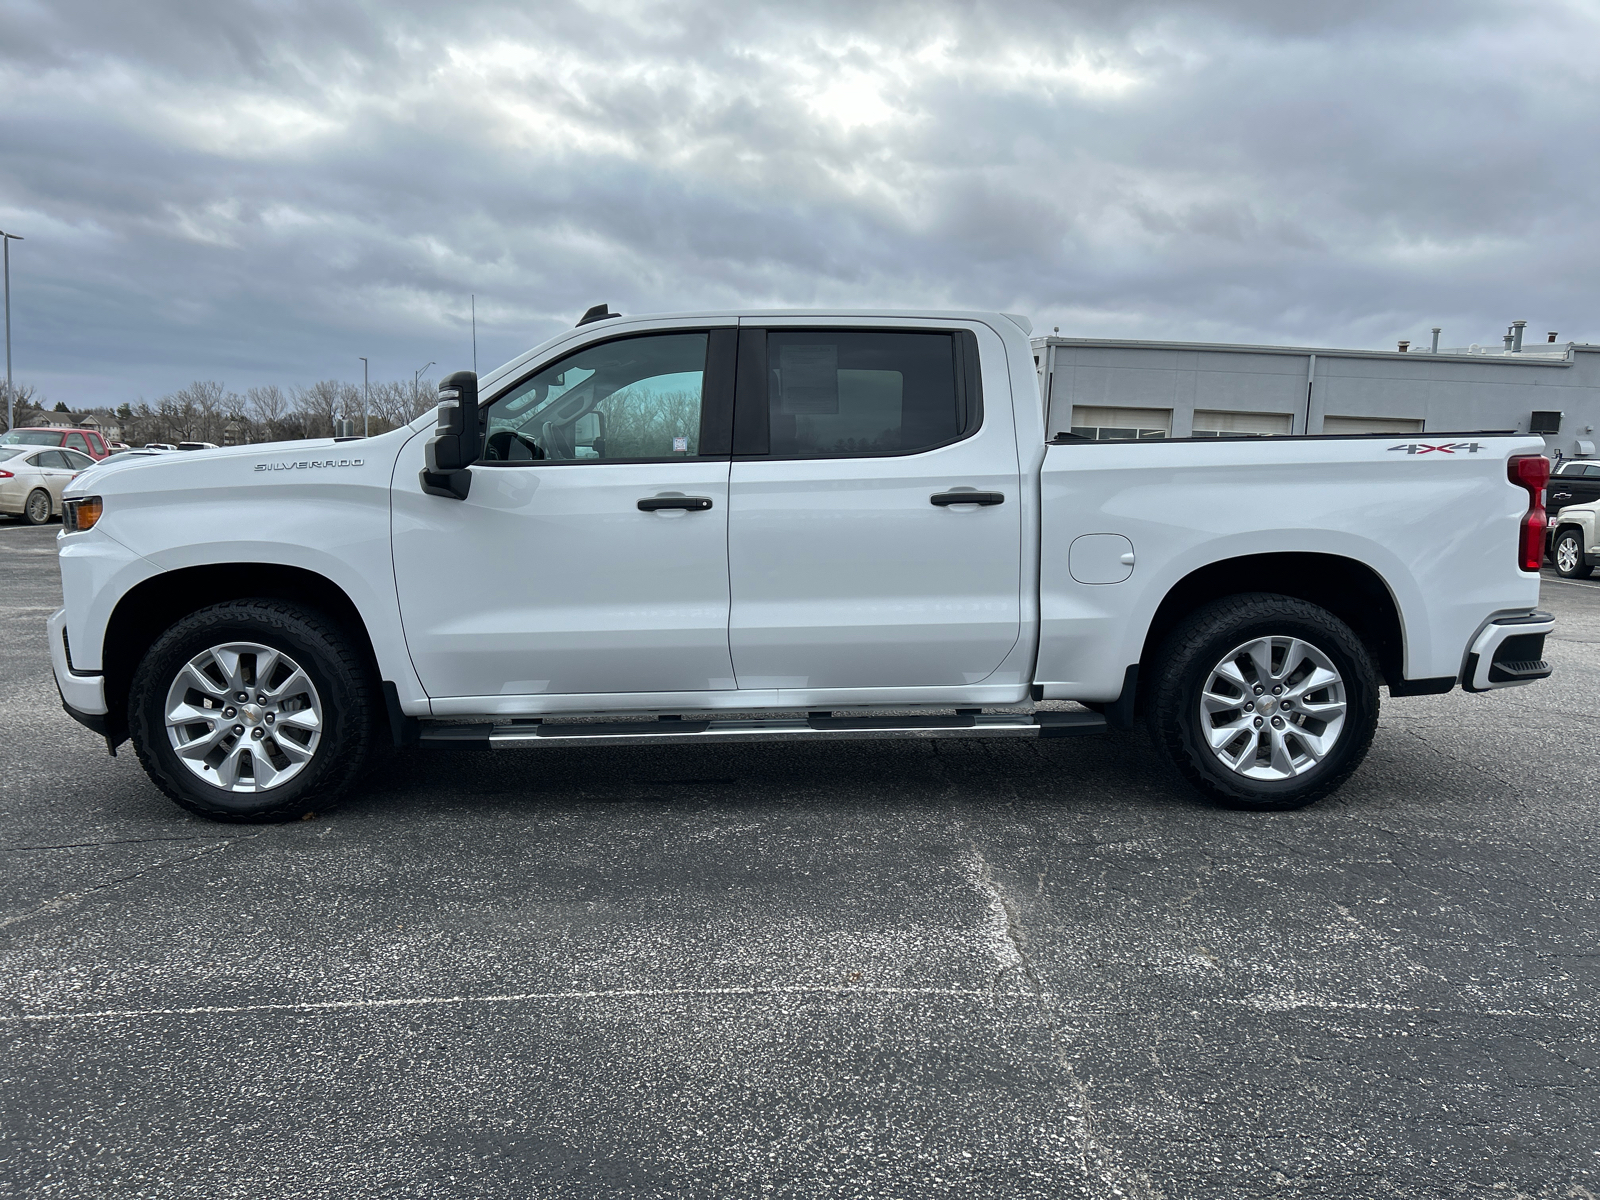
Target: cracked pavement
[(958, 969)]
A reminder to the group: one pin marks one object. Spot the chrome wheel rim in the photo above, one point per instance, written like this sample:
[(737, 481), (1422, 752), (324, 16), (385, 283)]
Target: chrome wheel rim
[(1566, 554), (1273, 708), (243, 717), (38, 508)]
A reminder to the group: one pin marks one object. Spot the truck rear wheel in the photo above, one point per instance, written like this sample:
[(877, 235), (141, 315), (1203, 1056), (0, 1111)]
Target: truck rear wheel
[(1263, 701), (252, 710)]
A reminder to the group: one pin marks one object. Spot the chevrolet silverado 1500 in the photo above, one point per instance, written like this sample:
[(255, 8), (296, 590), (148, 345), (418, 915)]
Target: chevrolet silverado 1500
[(784, 526)]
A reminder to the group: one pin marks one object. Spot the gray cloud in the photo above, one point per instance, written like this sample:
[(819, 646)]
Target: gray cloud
[(260, 192)]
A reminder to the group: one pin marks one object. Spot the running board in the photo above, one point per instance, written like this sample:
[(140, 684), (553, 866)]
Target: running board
[(518, 734)]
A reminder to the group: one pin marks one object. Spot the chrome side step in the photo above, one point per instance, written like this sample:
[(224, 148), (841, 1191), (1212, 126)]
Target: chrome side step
[(816, 727)]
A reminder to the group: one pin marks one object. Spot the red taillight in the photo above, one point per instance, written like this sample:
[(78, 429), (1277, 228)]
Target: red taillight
[(6, 475), (1531, 471)]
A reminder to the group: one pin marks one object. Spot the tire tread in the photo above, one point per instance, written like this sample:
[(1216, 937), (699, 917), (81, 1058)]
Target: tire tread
[(356, 709), (1165, 713)]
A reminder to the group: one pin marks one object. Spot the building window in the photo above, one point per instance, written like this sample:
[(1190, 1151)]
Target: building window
[(1215, 423), (1112, 424)]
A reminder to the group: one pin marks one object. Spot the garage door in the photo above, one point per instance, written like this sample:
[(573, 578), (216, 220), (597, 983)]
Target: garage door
[(1213, 423), (1394, 425)]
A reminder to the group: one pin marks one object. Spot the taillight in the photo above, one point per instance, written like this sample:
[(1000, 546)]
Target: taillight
[(1531, 471), (6, 475)]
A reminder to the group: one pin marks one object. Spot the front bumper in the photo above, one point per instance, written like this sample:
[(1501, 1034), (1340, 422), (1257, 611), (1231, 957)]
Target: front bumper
[(82, 694), (1508, 652)]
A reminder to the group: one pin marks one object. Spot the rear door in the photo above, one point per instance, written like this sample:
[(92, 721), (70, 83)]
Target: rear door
[(854, 560), (57, 470)]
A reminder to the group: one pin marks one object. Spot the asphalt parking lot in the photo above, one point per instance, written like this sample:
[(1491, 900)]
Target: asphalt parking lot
[(898, 970)]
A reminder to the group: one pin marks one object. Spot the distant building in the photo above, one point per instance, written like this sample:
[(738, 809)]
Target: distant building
[(1102, 388)]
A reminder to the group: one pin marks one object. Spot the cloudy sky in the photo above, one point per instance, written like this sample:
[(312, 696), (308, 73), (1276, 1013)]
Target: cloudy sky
[(260, 192)]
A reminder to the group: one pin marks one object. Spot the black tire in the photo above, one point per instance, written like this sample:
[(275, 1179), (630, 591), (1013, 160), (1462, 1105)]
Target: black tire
[(1576, 568), (344, 687), (1184, 663), (35, 513)]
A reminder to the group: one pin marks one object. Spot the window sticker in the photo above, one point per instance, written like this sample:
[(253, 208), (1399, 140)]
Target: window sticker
[(680, 443)]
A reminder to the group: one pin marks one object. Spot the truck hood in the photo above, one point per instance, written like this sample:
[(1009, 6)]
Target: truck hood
[(182, 469)]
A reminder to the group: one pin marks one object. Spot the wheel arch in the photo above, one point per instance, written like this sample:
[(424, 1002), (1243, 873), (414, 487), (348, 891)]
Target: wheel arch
[(150, 607), (1346, 587)]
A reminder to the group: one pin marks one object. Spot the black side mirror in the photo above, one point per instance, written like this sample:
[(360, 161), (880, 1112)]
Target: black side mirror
[(458, 440)]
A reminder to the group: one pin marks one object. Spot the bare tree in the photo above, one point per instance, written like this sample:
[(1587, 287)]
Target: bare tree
[(319, 404), (27, 402)]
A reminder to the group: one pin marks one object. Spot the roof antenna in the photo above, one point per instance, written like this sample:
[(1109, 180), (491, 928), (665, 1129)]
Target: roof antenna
[(474, 335), (600, 312)]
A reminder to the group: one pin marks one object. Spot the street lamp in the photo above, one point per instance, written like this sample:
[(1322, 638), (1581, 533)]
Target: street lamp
[(416, 380), (11, 415), (366, 429)]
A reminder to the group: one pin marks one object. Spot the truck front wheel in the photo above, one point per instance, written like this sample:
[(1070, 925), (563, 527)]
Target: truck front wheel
[(252, 710), (1263, 701)]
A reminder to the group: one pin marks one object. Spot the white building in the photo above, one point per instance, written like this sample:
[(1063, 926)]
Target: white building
[(1114, 389)]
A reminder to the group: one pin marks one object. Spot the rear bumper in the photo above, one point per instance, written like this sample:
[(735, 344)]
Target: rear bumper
[(82, 694), (1508, 652)]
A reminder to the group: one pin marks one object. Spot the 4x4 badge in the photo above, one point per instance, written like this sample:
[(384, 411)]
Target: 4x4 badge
[(1442, 448)]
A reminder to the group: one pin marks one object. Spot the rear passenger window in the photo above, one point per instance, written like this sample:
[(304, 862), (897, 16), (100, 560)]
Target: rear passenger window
[(833, 393)]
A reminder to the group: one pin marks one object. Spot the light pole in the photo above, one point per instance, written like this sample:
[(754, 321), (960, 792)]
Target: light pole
[(11, 414), (366, 429), (416, 381)]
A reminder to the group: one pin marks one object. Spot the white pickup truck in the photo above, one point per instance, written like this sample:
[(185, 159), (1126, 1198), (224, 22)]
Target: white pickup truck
[(784, 526)]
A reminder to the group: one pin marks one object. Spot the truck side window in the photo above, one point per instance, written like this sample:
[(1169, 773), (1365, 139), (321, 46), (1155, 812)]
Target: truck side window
[(834, 393), (635, 399), (76, 442)]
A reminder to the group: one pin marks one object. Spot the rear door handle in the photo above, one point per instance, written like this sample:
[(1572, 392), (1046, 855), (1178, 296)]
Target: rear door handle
[(692, 503), (945, 499)]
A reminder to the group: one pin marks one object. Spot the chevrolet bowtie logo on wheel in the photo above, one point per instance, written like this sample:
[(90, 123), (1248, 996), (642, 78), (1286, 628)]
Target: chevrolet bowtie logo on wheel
[(1442, 448)]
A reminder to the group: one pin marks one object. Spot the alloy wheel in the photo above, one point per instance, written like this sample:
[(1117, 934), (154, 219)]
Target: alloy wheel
[(243, 717), (1273, 708), (1567, 554)]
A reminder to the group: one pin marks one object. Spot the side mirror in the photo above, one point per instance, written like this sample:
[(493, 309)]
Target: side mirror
[(457, 441)]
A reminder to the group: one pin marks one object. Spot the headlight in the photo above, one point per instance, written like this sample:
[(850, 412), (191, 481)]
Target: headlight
[(81, 514)]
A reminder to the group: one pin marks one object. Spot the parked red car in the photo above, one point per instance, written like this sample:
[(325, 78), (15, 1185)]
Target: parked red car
[(85, 441)]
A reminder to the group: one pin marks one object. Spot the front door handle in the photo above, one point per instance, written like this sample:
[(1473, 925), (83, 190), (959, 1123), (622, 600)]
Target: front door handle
[(945, 499), (692, 503)]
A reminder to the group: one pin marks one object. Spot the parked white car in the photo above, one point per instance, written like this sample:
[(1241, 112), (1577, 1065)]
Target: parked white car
[(1575, 545), (836, 524), (31, 483)]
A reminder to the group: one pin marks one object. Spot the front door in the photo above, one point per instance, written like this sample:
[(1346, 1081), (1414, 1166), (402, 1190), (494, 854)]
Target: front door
[(591, 553), (856, 561)]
